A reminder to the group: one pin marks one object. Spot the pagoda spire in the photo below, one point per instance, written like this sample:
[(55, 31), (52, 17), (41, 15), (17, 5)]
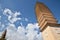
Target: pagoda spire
[(3, 37), (44, 15)]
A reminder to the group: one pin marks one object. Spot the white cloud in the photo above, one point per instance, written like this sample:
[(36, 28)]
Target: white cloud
[(15, 34), (17, 13), (21, 30), (12, 17), (32, 26), (31, 32), (20, 33), (7, 12), (39, 36), (11, 27)]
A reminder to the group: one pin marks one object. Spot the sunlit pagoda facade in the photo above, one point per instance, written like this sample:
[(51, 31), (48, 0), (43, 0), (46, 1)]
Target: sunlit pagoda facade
[(49, 26)]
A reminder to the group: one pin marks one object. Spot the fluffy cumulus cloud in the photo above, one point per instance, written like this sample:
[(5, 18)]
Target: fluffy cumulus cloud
[(12, 16), (31, 32), (20, 33)]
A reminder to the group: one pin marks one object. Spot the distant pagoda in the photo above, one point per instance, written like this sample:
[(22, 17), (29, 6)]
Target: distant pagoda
[(3, 37)]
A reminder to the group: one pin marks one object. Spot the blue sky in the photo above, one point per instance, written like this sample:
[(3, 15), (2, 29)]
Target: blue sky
[(26, 7)]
